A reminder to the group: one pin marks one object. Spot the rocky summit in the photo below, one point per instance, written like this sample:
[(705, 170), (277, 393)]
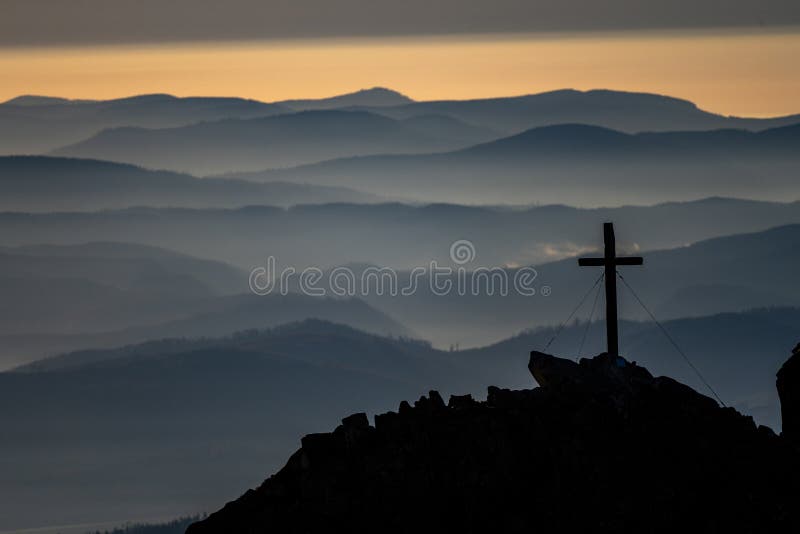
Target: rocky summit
[(599, 446)]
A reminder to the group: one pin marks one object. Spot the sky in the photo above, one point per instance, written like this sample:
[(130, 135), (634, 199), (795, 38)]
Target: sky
[(733, 57)]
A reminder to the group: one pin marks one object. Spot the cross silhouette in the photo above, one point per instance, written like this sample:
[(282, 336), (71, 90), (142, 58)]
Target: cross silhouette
[(610, 262)]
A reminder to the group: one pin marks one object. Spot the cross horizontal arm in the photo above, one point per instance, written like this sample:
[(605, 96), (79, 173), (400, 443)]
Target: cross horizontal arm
[(599, 262), (629, 260)]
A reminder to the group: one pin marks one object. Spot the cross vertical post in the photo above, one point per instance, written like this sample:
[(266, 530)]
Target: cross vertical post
[(609, 257), (609, 262)]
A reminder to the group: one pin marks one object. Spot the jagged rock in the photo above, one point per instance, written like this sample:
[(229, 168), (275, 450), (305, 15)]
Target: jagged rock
[(459, 402), (600, 446), (788, 384), (354, 428), (433, 402), (405, 407)]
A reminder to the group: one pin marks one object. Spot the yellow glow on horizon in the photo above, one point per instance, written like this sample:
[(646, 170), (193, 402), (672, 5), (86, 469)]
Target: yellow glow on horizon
[(747, 74)]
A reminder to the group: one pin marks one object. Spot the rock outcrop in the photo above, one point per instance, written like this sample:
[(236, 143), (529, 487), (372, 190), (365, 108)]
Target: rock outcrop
[(600, 446), (788, 384)]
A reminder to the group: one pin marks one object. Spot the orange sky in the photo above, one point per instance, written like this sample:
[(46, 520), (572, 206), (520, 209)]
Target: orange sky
[(736, 73)]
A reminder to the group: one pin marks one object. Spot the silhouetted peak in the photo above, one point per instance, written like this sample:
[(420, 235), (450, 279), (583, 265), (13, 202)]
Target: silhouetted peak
[(382, 92), (369, 97), (600, 446)]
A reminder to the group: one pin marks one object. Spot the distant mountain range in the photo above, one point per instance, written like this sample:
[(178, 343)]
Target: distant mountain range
[(34, 125), (277, 141), (37, 125), (619, 110), (151, 413), (578, 164), (39, 184)]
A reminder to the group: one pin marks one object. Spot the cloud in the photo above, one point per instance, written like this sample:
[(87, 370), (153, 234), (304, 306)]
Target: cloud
[(79, 22)]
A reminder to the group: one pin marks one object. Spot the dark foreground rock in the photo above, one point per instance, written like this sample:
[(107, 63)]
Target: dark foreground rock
[(601, 446), (788, 384)]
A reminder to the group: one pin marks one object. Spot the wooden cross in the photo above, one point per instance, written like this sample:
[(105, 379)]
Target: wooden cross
[(610, 262)]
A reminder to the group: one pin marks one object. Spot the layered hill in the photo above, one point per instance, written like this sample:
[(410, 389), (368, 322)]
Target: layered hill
[(187, 318), (273, 142), (676, 281), (123, 265), (397, 235), (578, 164), (39, 184), (620, 110), (34, 125), (96, 287), (723, 274), (151, 414), (105, 294)]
